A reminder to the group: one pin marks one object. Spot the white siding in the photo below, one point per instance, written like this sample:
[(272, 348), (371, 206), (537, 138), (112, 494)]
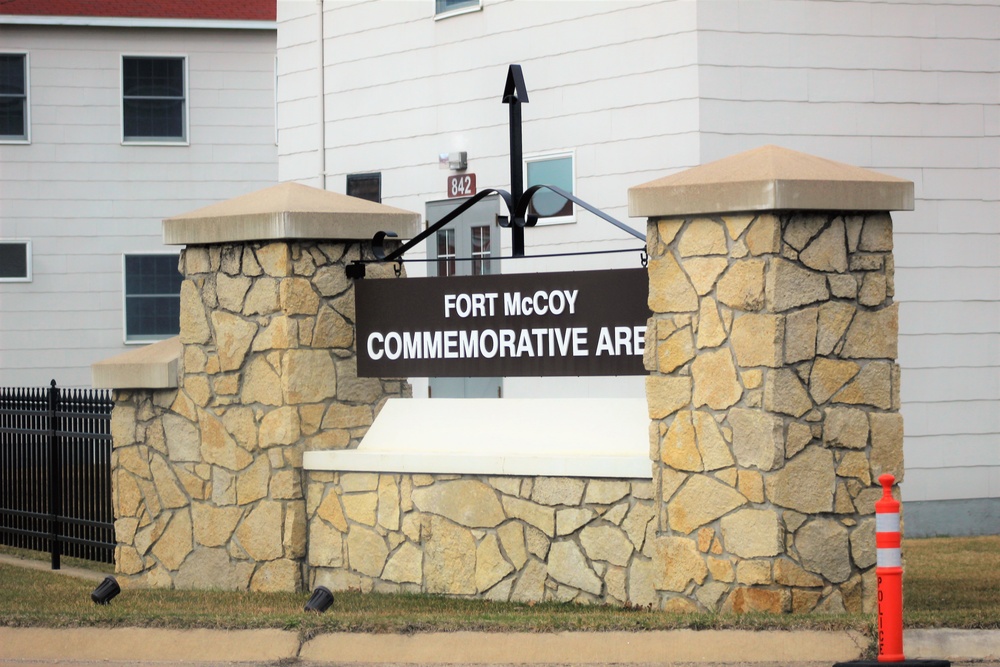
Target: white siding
[(642, 89), (84, 199)]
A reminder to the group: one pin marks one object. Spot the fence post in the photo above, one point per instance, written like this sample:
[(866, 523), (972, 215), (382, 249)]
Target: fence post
[(55, 482)]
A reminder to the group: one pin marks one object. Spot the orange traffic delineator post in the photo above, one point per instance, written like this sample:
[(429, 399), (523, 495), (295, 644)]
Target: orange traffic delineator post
[(889, 575)]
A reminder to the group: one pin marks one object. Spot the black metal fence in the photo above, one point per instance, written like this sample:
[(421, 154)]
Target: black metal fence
[(55, 472)]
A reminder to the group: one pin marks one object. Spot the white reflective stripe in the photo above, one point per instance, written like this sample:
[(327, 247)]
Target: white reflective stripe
[(889, 558), (887, 523)]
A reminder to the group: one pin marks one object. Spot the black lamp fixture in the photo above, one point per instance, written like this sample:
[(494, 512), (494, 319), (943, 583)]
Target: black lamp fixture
[(320, 601), (106, 591)]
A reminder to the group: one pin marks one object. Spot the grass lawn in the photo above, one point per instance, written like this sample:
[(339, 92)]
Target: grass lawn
[(949, 582)]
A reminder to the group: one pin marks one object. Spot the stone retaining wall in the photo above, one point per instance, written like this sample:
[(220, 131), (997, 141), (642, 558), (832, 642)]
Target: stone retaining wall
[(524, 539)]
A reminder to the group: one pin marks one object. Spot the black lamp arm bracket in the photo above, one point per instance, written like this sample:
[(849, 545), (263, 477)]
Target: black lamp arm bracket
[(529, 220)]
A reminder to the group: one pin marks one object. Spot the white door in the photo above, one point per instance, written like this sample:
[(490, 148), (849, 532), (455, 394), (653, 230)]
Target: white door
[(467, 246)]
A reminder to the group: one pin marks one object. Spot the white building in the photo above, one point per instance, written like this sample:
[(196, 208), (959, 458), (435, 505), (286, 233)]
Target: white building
[(110, 122), (624, 92)]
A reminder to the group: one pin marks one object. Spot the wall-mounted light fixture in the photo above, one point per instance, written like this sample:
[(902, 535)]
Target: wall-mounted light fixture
[(106, 591), (320, 601), (458, 161)]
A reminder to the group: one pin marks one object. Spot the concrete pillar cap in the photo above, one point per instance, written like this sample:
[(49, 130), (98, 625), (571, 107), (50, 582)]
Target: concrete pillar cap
[(769, 178), (289, 211)]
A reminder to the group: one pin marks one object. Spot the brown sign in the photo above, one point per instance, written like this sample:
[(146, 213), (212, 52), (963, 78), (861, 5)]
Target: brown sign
[(530, 324), (462, 185)]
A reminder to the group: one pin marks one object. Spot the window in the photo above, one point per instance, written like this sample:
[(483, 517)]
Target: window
[(13, 97), (454, 6), (152, 297), (153, 100), (554, 170), (15, 261), (481, 251), (365, 186), (446, 252)]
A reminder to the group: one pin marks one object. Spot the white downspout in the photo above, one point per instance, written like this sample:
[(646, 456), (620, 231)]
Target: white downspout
[(322, 94)]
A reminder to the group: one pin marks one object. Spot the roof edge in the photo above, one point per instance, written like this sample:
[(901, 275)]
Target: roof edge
[(136, 22)]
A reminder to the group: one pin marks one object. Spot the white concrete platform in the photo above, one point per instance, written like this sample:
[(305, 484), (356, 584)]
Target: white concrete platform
[(546, 437)]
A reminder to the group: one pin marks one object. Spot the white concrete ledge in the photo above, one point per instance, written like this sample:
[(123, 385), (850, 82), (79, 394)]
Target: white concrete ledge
[(523, 437), (150, 367)]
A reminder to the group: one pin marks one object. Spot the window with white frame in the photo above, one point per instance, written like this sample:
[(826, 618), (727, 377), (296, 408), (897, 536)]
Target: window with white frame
[(14, 97), (154, 99), (442, 7), (551, 169), (152, 296), (15, 261)]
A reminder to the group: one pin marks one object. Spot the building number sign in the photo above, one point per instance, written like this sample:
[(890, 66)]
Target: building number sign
[(462, 185)]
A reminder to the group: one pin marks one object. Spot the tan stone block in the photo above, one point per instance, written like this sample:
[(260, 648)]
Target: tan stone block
[(558, 491), (676, 562), (667, 230), (705, 537), (351, 482), (742, 286), (195, 260), (405, 565), (286, 485), (799, 435), (233, 336), (332, 330), (491, 566), (785, 394), (275, 259), (764, 236), (388, 503), (339, 439), (311, 417), (667, 395), (745, 600), (262, 299), (845, 427), (127, 560), (606, 543), (366, 551), (280, 427), (737, 224), (213, 526), (752, 533), (261, 383), (711, 445), (218, 447), (671, 480), (194, 359), (331, 511), (873, 290), (872, 386), (605, 491), (679, 449), (175, 543), (711, 332), (834, 318), (752, 378), (788, 573), (252, 483), (280, 334), (704, 271), (354, 389), (675, 351), (223, 486), (800, 334), (670, 291), (276, 576), (757, 438), (828, 376), (541, 517), (789, 285), (193, 322), (751, 484), (873, 334), (637, 522), (753, 572), (715, 381), (308, 376), (757, 340), (231, 291), (843, 286), (361, 507), (823, 548), (806, 483), (260, 532), (325, 546), (887, 444), (467, 502), (802, 227), (863, 547), (828, 250), (198, 389), (449, 558), (701, 501), (855, 464), (172, 494), (876, 236), (702, 236)]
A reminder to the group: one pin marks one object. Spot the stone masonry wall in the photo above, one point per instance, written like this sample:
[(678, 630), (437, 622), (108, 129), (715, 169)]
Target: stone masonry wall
[(774, 399), (524, 539), (208, 488)]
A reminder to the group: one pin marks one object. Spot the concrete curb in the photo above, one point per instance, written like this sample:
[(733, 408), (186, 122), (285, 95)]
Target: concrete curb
[(955, 645)]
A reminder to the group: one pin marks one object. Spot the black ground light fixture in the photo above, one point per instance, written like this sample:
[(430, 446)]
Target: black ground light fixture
[(106, 591), (320, 601)]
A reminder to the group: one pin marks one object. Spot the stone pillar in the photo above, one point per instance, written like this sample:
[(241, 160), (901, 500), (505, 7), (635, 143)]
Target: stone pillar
[(773, 390), (208, 483)]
